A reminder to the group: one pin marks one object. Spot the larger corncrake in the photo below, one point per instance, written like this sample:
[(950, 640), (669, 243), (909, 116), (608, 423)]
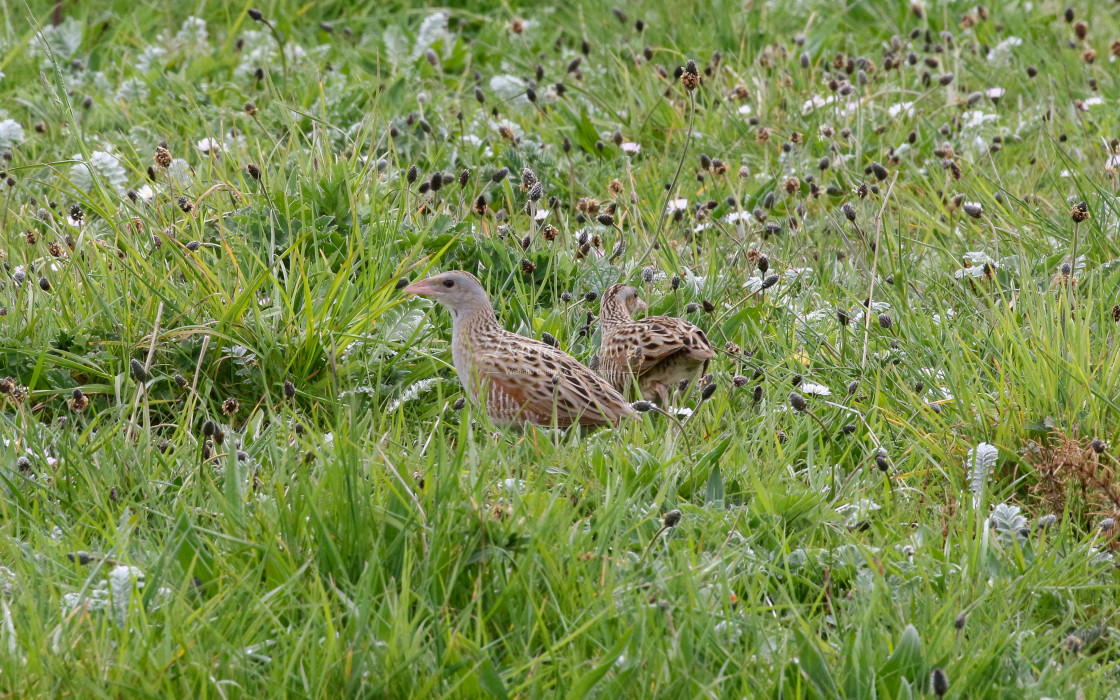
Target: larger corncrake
[(521, 380)]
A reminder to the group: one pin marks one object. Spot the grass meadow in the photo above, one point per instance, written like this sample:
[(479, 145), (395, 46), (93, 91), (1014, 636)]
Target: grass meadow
[(233, 457)]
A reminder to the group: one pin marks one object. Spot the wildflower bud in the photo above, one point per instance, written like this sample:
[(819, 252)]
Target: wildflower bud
[(1098, 445), (527, 266), (769, 281), (940, 682), (230, 406), (136, 369), (459, 403), (1106, 525), (959, 621), (705, 162), (853, 387), (879, 171), (642, 406), (23, 464), (881, 460), (253, 171), (671, 519), (849, 211), (1046, 522), (806, 59), (763, 264), (289, 389), (692, 308), (708, 391), (605, 219), (675, 283), (566, 297), (885, 321), (973, 209), (193, 245), (798, 402), (824, 163), (1080, 212), (44, 284), (549, 339), (163, 157), (180, 381), (536, 192), (255, 14), (209, 428), (499, 175)]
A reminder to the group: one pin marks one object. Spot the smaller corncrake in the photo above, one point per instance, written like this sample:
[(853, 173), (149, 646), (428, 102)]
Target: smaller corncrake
[(659, 353)]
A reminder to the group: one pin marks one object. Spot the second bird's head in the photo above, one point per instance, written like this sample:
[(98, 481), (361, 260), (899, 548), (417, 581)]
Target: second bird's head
[(457, 290), (623, 296)]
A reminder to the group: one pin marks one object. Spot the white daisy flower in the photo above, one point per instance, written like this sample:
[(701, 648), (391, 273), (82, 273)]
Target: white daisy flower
[(994, 93), (814, 389), (676, 205), (816, 102), (631, 148), (208, 145), (906, 108)]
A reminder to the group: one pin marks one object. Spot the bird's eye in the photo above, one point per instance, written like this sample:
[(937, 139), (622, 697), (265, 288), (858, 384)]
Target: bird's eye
[(449, 283)]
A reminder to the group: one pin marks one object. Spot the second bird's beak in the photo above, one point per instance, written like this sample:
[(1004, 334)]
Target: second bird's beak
[(640, 305)]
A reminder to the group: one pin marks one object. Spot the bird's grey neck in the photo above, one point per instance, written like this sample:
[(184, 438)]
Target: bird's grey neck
[(476, 317)]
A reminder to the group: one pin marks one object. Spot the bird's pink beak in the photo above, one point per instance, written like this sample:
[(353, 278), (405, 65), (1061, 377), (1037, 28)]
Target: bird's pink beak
[(421, 288), (640, 305)]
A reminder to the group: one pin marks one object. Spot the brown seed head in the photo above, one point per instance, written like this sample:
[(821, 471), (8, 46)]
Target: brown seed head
[(690, 78)]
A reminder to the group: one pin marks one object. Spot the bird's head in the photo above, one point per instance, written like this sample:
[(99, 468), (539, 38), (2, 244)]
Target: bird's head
[(457, 290), (621, 297)]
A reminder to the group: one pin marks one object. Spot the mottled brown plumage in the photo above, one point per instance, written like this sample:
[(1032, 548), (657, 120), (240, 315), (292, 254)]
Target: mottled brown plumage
[(523, 380), (658, 352)]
